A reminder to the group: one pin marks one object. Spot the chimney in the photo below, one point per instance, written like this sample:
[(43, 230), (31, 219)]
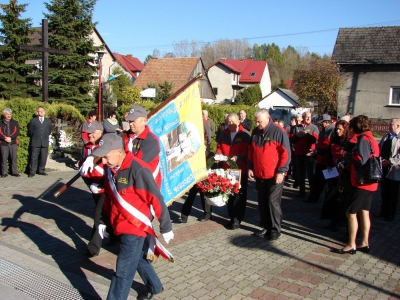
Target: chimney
[(129, 55), (223, 59)]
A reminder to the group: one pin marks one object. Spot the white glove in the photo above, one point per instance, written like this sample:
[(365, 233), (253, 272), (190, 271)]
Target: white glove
[(87, 166), (94, 188), (102, 230), (168, 236)]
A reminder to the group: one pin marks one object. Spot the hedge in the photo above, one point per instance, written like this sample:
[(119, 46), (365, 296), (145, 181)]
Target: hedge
[(23, 110)]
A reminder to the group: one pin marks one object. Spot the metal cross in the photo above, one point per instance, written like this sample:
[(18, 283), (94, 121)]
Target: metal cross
[(45, 57)]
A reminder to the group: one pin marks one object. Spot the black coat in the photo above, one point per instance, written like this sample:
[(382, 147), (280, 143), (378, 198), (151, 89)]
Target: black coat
[(39, 132), (247, 124)]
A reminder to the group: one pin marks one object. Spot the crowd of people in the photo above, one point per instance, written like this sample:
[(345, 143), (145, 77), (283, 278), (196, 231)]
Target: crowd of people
[(120, 163)]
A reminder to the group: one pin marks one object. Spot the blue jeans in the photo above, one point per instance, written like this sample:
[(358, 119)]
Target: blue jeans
[(131, 258)]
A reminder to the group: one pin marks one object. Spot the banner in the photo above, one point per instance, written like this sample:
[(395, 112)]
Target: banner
[(179, 127)]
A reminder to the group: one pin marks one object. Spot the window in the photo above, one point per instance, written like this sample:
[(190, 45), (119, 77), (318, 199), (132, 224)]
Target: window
[(215, 90), (252, 74), (394, 95)]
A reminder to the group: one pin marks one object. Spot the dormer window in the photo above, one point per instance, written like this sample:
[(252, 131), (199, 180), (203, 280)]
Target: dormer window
[(252, 74)]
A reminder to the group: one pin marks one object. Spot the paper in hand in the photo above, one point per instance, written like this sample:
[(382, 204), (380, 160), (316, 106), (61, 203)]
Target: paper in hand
[(332, 173)]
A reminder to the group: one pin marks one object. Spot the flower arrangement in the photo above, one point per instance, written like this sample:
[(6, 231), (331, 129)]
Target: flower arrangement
[(219, 183)]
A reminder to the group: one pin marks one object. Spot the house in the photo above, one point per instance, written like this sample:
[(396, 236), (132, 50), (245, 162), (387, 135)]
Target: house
[(178, 71), (281, 103), (131, 65), (229, 76), (279, 99), (369, 61)]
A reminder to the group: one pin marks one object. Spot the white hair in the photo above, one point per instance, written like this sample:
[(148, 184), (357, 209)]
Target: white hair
[(7, 111), (262, 111)]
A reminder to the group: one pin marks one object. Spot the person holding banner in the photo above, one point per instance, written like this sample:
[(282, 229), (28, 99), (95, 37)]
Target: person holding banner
[(131, 196), (142, 142), (94, 179), (234, 142)]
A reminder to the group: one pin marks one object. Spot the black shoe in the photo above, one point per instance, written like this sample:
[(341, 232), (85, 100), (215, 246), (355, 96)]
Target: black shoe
[(341, 251), (89, 253), (16, 175), (274, 235), (182, 220), (146, 295), (364, 249), (4, 175), (260, 233), (43, 173), (31, 175)]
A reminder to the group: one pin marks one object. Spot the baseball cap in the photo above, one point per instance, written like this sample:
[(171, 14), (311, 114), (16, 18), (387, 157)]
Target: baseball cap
[(136, 112), (325, 117), (93, 126), (107, 143)]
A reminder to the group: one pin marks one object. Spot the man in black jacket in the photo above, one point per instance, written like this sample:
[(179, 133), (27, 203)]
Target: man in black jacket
[(39, 130), (9, 132), (246, 123)]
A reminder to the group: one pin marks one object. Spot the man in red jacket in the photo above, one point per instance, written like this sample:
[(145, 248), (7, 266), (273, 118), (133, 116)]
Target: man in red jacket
[(131, 196), (269, 158), (234, 142), (304, 140), (142, 142)]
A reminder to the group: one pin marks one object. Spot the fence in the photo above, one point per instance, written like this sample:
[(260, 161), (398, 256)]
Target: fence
[(379, 127)]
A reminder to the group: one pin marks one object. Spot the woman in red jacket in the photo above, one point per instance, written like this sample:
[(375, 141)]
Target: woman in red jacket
[(361, 195)]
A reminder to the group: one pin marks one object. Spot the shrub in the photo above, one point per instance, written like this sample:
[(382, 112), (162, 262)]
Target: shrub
[(23, 110)]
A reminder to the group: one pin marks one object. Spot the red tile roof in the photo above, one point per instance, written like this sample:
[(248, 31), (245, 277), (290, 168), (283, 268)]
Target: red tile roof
[(251, 71), (129, 63), (175, 70)]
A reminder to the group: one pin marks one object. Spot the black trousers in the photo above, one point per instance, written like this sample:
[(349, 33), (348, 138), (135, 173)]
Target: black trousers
[(304, 164), (9, 153), (319, 183), (390, 195), (187, 206), (237, 203), (95, 243), (38, 154), (269, 203)]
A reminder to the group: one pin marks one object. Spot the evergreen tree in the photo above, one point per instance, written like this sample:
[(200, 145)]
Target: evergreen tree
[(70, 24), (249, 96), (14, 31)]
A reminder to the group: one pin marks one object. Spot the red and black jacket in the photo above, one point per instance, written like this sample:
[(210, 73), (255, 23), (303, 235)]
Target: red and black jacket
[(147, 148), (269, 151), (238, 147), (302, 145), (322, 147), (359, 156), (135, 184), (9, 130)]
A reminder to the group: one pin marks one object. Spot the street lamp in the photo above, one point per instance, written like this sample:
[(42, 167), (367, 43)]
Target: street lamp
[(100, 55)]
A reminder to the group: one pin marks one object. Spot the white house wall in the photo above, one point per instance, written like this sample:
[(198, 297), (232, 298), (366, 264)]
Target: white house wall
[(276, 99), (107, 60), (265, 83)]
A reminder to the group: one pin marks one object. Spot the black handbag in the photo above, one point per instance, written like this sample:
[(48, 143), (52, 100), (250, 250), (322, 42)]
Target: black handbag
[(371, 171)]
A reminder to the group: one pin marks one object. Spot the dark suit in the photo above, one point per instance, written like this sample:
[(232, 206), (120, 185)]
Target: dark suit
[(39, 144), (247, 124)]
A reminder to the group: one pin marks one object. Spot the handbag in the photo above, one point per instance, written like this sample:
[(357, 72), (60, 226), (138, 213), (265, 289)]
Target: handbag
[(371, 171)]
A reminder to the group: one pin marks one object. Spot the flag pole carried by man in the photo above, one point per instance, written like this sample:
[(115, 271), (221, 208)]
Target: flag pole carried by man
[(131, 195)]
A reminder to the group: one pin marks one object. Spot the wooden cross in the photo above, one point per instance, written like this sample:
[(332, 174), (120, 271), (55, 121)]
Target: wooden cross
[(45, 58)]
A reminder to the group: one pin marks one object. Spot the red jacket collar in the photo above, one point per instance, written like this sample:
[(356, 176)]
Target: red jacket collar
[(141, 136), (241, 129)]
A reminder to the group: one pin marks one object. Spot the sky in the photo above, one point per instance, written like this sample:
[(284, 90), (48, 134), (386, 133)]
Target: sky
[(138, 27)]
